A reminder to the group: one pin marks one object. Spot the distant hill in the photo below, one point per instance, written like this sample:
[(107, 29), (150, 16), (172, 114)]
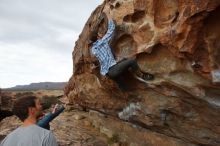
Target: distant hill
[(40, 86)]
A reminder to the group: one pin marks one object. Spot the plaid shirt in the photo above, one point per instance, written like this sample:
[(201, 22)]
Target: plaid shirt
[(102, 51)]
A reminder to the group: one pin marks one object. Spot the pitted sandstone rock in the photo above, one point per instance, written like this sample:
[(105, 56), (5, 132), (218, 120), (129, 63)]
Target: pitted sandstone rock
[(176, 40)]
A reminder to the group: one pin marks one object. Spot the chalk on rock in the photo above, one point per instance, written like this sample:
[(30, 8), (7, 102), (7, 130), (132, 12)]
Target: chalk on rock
[(216, 76)]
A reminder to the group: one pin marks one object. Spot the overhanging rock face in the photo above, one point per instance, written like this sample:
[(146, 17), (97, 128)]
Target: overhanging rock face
[(176, 40)]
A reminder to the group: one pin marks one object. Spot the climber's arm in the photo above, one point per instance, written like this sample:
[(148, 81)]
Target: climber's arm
[(111, 25), (50, 116)]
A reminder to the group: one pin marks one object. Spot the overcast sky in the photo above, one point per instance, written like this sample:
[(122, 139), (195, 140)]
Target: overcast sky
[(37, 38)]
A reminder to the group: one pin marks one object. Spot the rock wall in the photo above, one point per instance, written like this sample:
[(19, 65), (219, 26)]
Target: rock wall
[(176, 40)]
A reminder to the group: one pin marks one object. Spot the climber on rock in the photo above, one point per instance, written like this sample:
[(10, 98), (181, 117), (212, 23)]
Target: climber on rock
[(108, 65)]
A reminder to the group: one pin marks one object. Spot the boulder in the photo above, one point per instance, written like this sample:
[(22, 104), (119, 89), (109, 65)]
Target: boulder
[(176, 40)]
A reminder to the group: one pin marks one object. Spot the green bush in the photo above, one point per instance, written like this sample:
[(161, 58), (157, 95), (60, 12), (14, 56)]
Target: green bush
[(48, 101), (21, 94)]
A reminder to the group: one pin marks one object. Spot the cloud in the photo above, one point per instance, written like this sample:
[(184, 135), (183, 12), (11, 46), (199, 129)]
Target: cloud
[(37, 38)]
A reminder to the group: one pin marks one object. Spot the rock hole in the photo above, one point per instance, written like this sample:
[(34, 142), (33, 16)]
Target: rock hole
[(138, 16), (212, 37), (176, 17), (125, 46), (111, 7), (117, 5), (135, 17)]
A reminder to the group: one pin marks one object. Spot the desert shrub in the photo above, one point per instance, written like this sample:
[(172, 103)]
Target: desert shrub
[(21, 94), (48, 101)]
